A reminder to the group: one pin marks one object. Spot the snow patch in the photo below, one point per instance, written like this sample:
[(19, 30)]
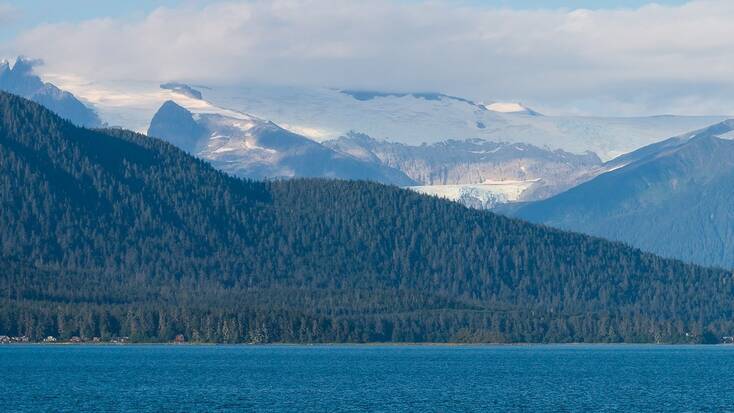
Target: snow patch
[(504, 107)]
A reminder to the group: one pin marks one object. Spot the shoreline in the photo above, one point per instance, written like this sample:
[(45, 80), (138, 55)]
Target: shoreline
[(396, 345)]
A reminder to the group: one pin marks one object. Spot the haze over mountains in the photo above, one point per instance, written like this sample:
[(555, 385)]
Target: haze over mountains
[(109, 233)]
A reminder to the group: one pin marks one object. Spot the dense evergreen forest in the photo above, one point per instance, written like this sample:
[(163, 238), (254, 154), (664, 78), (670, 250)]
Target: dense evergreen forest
[(107, 233)]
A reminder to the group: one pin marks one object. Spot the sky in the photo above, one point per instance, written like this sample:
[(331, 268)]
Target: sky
[(603, 57)]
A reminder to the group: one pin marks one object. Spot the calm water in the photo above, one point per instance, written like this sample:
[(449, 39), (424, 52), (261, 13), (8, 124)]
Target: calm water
[(366, 378)]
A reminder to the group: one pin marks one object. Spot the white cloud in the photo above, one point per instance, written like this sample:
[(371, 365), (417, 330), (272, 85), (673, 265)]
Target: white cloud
[(649, 60)]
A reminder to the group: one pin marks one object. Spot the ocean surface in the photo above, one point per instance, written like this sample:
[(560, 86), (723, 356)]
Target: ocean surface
[(167, 378)]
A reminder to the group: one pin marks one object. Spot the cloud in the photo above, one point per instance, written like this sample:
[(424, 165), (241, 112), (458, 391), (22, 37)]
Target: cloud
[(653, 59)]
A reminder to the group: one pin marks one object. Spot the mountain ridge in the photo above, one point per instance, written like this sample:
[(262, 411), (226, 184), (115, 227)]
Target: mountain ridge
[(323, 114)]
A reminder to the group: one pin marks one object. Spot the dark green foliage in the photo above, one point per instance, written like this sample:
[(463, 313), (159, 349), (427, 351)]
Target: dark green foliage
[(110, 233)]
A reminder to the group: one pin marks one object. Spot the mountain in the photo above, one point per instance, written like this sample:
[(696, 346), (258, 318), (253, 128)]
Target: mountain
[(478, 172), (176, 125), (410, 118), (246, 146), (21, 81), (112, 233), (674, 198)]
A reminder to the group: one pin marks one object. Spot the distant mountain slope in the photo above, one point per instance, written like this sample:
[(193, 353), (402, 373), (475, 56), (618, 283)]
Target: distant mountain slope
[(117, 234), (20, 80), (477, 172), (245, 146), (674, 198)]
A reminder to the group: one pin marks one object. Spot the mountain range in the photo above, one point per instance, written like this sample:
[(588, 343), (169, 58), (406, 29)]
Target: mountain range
[(246, 146), (559, 153), (410, 118), (674, 198), (417, 118), (668, 197), (111, 233)]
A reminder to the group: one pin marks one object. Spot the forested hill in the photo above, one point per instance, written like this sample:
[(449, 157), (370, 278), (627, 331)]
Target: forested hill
[(111, 233)]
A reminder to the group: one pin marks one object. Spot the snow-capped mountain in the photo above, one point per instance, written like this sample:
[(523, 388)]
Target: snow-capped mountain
[(476, 171), (416, 118), (20, 80), (674, 198), (246, 146), (410, 118)]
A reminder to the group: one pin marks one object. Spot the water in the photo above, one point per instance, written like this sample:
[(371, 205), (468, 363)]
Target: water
[(365, 378)]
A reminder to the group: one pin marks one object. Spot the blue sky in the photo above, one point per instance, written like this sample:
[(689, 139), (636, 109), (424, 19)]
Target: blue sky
[(29, 13)]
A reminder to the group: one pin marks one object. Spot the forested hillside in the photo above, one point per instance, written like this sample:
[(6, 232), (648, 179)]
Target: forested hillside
[(111, 233)]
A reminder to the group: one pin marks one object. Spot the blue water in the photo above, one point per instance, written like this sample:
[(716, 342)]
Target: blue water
[(365, 378)]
